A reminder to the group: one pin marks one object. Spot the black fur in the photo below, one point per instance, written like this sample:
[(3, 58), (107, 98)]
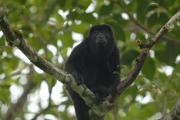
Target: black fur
[(94, 62)]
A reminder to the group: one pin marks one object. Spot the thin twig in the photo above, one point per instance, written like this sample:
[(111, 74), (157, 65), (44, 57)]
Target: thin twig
[(150, 32)]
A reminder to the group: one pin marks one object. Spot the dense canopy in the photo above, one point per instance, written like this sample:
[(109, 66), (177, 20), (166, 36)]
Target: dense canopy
[(53, 27)]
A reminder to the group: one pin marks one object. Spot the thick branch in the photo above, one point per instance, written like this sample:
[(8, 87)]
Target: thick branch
[(16, 39), (139, 63), (142, 56)]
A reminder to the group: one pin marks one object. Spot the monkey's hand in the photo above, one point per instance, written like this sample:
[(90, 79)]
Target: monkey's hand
[(101, 93)]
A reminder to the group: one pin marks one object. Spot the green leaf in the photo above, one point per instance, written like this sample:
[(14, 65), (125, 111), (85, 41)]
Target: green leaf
[(118, 31), (2, 42), (157, 19), (168, 54), (106, 10), (132, 91), (4, 95), (82, 28), (149, 68), (62, 3), (175, 33), (84, 17), (129, 56), (142, 9), (84, 3), (67, 40)]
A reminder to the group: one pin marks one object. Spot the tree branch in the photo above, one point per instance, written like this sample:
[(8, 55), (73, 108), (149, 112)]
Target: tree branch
[(142, 56), (15, 38), (149, 32)]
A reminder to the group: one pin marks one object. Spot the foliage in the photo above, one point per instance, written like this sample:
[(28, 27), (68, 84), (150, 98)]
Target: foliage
[(53, 27)]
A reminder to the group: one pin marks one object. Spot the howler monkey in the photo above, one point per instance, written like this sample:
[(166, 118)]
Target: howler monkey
[(94, 62)]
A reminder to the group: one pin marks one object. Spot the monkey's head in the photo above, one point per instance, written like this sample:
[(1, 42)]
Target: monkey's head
[(101, 40)]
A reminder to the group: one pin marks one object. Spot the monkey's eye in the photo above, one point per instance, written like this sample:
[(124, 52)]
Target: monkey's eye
[(96, 32)]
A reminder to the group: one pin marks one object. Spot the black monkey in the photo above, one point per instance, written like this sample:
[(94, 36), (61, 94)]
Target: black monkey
[(94, 62)]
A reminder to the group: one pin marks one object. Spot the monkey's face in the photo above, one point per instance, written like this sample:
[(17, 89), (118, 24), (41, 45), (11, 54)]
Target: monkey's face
[(101, 40)]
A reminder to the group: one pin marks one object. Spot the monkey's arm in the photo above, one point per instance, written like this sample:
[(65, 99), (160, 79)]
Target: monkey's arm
[(70, 68)]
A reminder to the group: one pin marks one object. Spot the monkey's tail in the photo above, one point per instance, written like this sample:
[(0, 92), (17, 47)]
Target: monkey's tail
[(81, 109)]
